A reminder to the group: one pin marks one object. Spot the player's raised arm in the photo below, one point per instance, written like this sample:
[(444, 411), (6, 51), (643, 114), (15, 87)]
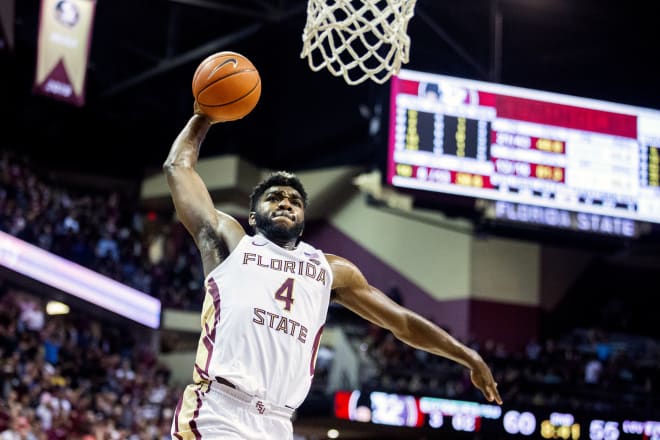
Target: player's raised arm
[(352, 290), (214, 232)]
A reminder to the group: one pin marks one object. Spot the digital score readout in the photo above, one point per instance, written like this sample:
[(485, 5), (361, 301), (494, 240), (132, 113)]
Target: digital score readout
[(502, 143), (652, 157), (491, 421)]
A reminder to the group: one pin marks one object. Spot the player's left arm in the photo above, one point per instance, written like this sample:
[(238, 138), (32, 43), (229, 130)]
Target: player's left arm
[(352, 290)]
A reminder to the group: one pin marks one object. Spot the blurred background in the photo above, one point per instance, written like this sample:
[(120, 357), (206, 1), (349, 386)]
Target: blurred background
[(564, 314)]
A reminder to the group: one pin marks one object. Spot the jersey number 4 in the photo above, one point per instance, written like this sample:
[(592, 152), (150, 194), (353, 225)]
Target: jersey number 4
[(285, 294)]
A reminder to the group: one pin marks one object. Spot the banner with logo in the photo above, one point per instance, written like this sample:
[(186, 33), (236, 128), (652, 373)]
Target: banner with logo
[(6, 25), (65, 31)]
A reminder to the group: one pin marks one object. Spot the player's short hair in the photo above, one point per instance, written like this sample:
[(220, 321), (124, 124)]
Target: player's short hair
[(277, 178)]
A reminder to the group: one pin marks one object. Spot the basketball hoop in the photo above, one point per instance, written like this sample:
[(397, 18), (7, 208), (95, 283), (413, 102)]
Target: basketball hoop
[(358, 39)]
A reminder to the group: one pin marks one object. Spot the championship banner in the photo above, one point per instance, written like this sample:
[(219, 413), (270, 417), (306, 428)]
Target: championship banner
[(6, 25), (65, 30)]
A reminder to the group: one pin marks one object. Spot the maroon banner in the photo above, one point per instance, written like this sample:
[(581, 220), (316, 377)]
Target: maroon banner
[(6, 25), (65, 29)]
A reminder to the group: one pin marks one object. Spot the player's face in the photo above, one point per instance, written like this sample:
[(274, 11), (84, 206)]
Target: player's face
[(280, 213)]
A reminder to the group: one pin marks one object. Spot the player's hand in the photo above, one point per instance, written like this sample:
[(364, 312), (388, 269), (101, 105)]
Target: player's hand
[(482, 378), (198, 111)]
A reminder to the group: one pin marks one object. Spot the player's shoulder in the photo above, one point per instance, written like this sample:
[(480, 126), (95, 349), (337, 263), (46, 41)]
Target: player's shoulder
[(344, 272), (338, 262)]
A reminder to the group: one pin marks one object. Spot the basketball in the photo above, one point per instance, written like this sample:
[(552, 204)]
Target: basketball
[(226, 86)]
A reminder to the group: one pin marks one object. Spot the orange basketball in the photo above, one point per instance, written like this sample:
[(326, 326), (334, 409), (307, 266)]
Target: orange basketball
[(226, 86)]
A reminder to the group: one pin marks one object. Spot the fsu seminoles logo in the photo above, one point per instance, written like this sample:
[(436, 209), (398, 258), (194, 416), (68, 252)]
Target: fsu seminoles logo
[(260, 407), (66, 12)]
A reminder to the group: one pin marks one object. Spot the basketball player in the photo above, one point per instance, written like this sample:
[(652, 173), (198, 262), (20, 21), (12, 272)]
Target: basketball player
[(266, 301)]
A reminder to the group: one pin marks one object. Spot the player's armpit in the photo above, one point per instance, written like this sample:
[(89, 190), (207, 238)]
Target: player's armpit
[(229, 230)]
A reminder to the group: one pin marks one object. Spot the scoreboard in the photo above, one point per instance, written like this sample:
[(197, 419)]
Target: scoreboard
[(449, 418), (521, 146)]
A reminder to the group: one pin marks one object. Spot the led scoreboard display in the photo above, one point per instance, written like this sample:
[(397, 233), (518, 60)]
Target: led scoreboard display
[(521, 146), (462, 419)]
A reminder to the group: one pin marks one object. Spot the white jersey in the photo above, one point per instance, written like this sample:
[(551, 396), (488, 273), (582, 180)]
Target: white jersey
[(262, 319)]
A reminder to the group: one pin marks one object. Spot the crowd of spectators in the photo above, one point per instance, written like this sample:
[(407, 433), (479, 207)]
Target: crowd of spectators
[(587, 370), (101, 229), (69, 377)]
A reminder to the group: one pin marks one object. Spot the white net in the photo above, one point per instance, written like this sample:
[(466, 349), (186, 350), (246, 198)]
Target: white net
[(358, 39)]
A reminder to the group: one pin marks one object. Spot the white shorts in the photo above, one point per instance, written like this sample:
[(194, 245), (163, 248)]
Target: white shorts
[(216, 411)]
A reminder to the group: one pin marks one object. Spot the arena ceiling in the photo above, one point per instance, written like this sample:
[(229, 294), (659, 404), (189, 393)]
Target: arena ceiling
[(143, 55)]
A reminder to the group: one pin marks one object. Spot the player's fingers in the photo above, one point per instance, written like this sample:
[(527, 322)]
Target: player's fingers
[(490, 391), (495, 394)]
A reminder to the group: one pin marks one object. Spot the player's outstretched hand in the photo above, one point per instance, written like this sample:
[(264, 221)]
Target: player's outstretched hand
[(198, 111), (482, 378)]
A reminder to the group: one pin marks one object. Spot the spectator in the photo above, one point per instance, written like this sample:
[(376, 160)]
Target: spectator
[(31, 315), (20, 430), (533, 349), (107, 247), (593, 370)]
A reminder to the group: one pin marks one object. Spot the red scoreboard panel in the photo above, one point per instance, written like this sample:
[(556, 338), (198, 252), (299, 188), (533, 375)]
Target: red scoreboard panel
[(521, 146)]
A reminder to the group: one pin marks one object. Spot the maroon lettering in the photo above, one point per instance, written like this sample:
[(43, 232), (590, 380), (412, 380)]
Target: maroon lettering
[(276, 264), (258, 316), (302, 336), (285, 325), (290, 266), (259, 262), (282, 326), (321, 277), (272, 318), (303, 268), (294, 324)]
